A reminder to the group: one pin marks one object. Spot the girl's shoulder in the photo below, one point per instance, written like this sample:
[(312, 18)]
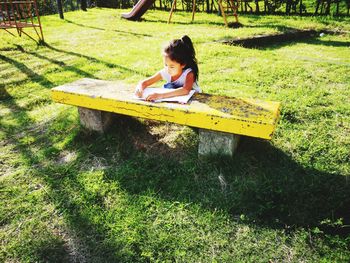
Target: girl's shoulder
[(195, 84), (186, 72)]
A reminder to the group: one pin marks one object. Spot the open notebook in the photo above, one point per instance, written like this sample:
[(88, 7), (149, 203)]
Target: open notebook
[(180, 99)]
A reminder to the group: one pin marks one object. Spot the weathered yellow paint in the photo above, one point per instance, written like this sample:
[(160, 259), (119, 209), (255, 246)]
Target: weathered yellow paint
[(228, 114)]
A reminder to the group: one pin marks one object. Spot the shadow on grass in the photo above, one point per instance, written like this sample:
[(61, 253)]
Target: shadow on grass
[(92, 59), (330, 43), (61, 182), (276, 41), (58, 63), (32, 75), (4, 95), (51, 246), (35, 77), (184, 23), (114, 30), (311, 41), (280, 28), (261, 182)]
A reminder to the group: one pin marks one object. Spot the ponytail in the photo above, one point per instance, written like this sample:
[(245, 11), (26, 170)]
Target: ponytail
[(182, 51)]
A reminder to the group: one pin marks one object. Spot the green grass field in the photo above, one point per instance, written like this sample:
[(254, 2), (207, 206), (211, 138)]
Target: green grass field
[(139, 193)]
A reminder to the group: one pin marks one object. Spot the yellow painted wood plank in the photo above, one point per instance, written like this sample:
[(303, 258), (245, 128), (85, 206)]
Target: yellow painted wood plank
[(248, 117)]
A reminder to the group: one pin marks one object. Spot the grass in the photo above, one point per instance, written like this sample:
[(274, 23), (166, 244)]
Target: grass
[(139, 193)]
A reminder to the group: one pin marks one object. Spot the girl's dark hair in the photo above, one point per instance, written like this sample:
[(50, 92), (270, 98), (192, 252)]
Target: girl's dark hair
[(182, 51)]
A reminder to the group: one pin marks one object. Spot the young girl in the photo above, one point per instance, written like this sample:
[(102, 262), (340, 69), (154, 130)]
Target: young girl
[(180, 71)]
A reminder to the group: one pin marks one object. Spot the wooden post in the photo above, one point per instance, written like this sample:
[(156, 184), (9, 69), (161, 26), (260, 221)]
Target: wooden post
[(172, 10), (222, 12), (193, 9)]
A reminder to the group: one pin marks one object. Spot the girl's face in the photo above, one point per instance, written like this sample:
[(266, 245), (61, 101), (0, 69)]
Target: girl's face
[(174, 68)]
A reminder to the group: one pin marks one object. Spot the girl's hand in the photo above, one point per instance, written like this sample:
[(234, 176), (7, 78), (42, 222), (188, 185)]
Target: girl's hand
[(154, 96), (139, 90)]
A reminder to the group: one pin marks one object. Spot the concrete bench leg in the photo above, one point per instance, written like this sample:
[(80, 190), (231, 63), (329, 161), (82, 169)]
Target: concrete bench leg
[(95, 120), (214, 142)]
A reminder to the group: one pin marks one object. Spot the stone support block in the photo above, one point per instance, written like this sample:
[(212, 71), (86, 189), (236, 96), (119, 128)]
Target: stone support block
[(95, 120), (215, 142)]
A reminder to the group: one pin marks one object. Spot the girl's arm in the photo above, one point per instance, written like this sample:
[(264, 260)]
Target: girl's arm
[(147, 82), (187, 87)]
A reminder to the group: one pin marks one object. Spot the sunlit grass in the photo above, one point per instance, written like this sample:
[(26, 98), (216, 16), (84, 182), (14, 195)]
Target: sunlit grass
[(139, 193)]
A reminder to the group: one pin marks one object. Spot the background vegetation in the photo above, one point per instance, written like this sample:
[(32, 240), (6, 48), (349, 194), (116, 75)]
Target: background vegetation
[(289, 7), (139, 193)]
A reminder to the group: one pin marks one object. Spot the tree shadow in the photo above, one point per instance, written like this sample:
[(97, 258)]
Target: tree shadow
[(114, 30), (40, 79), (4, 95), (25, 127), (92, 59), (33, 76), (58, 63)]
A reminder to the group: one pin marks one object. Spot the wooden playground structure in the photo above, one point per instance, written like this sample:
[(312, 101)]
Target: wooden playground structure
[(19, 15), (227, 8)]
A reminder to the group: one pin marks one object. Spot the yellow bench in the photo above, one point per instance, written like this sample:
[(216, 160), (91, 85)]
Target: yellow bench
[(221, 119)]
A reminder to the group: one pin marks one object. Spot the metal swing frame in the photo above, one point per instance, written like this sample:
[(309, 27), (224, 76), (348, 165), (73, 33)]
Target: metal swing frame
[(20, 14)]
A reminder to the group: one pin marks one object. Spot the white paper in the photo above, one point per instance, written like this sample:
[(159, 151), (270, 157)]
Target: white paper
[(180, 99)]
